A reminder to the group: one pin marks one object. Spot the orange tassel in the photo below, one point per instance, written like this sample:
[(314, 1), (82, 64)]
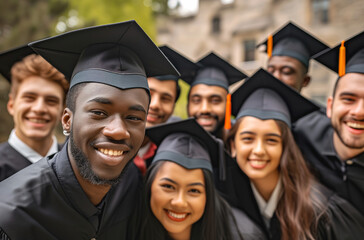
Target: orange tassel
[(270, 45), (228, 112), (342, 59)]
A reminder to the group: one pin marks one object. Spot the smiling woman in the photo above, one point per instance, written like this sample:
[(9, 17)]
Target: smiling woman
[(181, 201)]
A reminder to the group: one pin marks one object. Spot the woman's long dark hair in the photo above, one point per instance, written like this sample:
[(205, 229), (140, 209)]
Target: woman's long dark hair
[(297, 210), (213, 225)]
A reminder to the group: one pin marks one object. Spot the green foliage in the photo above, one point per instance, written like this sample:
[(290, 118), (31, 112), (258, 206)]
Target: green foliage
[(95, 12), (181, 105)]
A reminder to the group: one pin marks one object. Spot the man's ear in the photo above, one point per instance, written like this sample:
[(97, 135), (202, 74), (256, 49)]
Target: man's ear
[(306, 81), (66, 119), (329, 107), (232, 148), (10, 105)]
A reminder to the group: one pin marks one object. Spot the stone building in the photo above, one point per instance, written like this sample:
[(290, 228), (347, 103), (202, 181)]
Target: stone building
[(233, 30)]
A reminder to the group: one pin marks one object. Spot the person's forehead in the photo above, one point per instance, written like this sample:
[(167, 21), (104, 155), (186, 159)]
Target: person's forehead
[(284, 61), (351, 82), (207, 90), (93, 90), (41, 85), (171, 169)]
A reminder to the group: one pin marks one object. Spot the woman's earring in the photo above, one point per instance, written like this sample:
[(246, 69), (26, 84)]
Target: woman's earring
[(66, 133)]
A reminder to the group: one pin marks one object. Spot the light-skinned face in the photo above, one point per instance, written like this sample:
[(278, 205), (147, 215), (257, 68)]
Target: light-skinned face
[(163, 96), (257, 146), (36, 109), (107, 128), (289, 70), (207, 104), (178, 198), (346, 111)]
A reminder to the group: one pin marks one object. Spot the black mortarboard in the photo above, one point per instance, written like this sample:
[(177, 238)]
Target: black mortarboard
[(10, 57), (265, 97), (121, 55), (187, 144), (352, 56), (215, 71), (185, 67), (293, 42)]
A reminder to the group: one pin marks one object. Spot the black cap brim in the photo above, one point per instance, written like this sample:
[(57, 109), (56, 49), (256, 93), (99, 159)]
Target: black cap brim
[(213, 61), (298, 106), (309, 46), (63, 51), (185, 67), (330, 57), (10, 57), (190, 127)]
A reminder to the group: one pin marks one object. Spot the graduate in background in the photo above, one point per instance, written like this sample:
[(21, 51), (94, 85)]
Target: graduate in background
[(333, 142), (272, 183), (289, 51), (164, 93), (207, 98), (181, 201), (90, 189), (36, 100)]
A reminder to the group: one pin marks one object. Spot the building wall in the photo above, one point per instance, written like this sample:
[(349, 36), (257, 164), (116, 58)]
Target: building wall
[(254, 20)]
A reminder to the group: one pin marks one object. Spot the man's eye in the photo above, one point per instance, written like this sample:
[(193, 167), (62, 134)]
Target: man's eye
[(98, 113)]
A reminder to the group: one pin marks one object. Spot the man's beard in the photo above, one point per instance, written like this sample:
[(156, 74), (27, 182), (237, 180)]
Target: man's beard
[(85, 168), (351, 143)]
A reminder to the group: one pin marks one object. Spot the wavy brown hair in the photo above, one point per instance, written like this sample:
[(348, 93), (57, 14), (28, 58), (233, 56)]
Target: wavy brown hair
[(35, 65), (298, 211)]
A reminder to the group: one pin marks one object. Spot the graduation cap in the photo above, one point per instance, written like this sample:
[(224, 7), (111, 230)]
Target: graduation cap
[(185, 67), (293, 42), (10, 57), (121, 55), (265, 97), (215, 71), (187, 144), (347, 57)]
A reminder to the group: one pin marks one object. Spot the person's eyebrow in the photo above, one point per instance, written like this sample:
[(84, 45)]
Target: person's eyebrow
[(101, 100), (169, 180), (138, 108), (196, 184), (347, 94), (191, 184), (247, 132), (273, 135)]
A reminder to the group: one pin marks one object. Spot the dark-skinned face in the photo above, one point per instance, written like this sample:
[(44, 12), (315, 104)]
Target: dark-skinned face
[(107, 128), (289, 70)]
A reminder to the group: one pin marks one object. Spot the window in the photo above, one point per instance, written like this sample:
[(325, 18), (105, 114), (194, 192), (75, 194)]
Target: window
[(320, 11), (216, 24), (249, 50)]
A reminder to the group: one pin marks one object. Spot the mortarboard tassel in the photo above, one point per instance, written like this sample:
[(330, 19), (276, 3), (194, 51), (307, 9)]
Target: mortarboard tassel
[(227, 125), (270, 45), (342, 59)]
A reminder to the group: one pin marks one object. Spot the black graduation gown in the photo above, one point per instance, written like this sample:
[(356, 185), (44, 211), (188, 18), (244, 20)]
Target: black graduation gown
[(314, 136), (45, 201), (344, 221), (11, 161)]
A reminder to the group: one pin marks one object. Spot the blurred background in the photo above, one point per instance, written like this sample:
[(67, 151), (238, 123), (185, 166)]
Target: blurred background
[(231, 28)]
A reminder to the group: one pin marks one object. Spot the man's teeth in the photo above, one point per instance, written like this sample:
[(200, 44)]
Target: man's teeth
[(175, 215), (111, 152), (37, 120), (355, 125), (258, 163)]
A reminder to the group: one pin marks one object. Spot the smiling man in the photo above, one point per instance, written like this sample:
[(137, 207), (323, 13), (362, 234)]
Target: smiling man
[(36, 101), (164, 93), (334, 146), (89, 190), (208, 92)]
